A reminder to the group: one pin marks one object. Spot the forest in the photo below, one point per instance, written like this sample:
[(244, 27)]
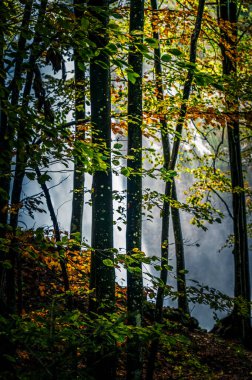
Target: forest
[(125, 189)]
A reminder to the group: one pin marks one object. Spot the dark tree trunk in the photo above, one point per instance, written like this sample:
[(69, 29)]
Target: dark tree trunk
[(22, 126), (180, 256), (79, 178), (166, 156), (9, 283), (7, 129), (182, 299), (3, 122), (56, 229), (175, 150), (228, 26), (5, 158), (134, 189), (13, 275), (102, 276)]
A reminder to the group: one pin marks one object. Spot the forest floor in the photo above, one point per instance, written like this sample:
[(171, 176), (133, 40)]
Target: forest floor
[(183, 354), (207, 357), (51, 342)]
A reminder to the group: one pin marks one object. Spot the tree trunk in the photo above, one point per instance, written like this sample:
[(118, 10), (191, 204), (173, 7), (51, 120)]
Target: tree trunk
[(56, 229), (7, 129), (5, 158), (166, 157), (174, 153), (79, 177), (180, 256), (102, 278), (228, 25), (9, 276), (182, 298), (13, 276), (134, 189)]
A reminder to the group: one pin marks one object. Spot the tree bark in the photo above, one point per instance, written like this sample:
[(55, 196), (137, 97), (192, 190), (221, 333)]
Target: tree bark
[(102, 276), (7, 128), (13, 275), (134, 188), (180, 256), (175, 150), (8, 277), (56, 229), (5, 158), (181, 286), (79, 177), (228, 43)]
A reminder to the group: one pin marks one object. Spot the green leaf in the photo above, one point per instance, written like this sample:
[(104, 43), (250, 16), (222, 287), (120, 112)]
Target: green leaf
[(168, 267), (76, 236), (125, 171), (6, 264), (218, 86), (143, 49), (153, 42), (111, 48), (166, 58), (116, 162), (117, 15), (119, 62), (136, 32), (64, 239), (43, 178), (108, 262), (132, 76), (75, 316), (104, 65), (134, 270), (176, 52), (84, 23), (118, 146), (81, 66), (168, 175), (30, 176)]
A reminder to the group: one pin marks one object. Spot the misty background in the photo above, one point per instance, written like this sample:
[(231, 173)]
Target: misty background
[(205, 261)]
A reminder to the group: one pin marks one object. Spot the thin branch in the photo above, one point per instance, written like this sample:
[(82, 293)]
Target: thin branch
[(41, 192), (55, 226), (224, 202)]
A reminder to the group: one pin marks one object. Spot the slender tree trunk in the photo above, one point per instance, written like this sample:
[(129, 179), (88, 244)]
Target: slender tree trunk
[(102, 275), (5, 157), (228, 24), (13, 276), (7, 128), (22, 133), (134, 189), (79, 177), (170, 163), (56, 229), (166, 157), (179, 128), (180, 256), (3, 123), (10, 284), (182, 298)]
